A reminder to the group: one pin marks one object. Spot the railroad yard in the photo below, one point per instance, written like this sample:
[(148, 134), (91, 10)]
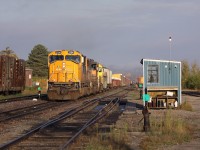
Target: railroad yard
[(88, 125), (99, 75), (10, 128)]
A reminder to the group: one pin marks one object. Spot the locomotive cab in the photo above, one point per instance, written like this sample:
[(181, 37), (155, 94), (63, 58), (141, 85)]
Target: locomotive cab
[(65, 74)]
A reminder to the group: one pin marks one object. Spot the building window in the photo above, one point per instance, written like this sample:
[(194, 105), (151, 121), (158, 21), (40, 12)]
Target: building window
[(153, 74)]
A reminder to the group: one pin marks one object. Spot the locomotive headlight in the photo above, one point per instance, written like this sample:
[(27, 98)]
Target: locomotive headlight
[(58, 52), (71, 52), (63, 64)]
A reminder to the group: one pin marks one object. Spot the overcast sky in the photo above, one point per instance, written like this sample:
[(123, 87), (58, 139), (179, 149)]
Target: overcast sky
[(117, 33)]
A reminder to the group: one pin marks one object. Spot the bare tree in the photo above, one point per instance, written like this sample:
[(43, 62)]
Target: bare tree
[(8, 52)]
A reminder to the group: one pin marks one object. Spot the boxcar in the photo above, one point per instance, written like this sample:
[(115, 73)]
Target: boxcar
[(116, 80), (12, 74)]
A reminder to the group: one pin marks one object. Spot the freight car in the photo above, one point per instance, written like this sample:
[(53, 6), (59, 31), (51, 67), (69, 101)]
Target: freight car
[(73, 75), (107, 81), (116, 80), (12, 75), (127, 81), (119, 80)]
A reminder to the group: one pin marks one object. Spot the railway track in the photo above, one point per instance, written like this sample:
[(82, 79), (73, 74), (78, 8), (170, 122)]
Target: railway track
[(23, 111), (191, 93), (21, 98), (60, 131), (19, 112)]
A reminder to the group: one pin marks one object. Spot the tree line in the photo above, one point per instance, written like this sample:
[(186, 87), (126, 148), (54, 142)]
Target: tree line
[(38, 61), (190, 75)]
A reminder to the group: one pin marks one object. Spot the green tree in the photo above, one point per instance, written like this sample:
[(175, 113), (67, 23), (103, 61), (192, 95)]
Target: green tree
[(9, 52), (193, 82), (185, 73), (38, 61), (194, 68), (194, 78)]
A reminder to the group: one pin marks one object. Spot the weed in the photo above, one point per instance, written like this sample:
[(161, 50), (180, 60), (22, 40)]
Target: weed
[(114, 140), (186, 106), (167, 130)]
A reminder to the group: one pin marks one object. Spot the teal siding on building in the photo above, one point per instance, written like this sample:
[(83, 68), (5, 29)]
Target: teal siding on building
[(162, 73)]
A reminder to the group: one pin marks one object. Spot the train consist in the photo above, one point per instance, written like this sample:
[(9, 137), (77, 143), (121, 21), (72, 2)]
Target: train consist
[(12, 75), (120, 80), (73, 75)]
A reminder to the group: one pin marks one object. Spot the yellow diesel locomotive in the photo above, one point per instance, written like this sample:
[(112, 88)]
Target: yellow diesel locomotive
[(73, 75)]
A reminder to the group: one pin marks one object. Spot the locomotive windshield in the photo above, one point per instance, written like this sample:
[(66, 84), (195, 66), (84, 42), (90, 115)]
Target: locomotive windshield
[(74, 58), (53, 58)]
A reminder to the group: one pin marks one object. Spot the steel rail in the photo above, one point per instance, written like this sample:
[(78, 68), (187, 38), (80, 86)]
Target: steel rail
[(59, 118), (99, 115), (68, 113), (191, 93), (27, 107), (26, 110), (20, 98)]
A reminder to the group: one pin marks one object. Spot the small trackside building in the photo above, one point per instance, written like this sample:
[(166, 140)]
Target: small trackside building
[(162, 82)]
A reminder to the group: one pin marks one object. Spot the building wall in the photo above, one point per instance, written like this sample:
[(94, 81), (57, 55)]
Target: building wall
[(168, 75), (28, 76)]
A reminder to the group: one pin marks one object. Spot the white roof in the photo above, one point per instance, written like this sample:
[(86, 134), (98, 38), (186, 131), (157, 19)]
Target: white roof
[(172, 61)]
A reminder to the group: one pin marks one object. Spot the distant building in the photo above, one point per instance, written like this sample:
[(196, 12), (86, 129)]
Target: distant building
[(28, 77)]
